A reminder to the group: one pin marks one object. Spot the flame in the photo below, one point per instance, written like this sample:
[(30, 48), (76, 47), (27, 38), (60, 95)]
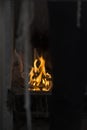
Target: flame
[(39, 78)]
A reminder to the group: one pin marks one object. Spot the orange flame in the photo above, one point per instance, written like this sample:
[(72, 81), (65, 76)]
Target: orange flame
[(40, 80)]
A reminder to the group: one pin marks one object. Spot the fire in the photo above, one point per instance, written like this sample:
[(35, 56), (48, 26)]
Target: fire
[(40, 80)]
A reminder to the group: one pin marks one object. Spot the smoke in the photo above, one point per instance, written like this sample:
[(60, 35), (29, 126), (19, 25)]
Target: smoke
[(25, 21)]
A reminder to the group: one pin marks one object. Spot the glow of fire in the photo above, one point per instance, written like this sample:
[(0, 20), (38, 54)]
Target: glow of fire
[(39, 78)]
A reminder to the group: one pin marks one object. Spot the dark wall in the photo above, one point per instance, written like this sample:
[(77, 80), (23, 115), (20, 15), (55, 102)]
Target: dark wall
[(68, 49)]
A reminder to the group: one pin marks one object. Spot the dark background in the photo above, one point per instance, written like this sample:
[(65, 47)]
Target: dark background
[(68, 48)]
